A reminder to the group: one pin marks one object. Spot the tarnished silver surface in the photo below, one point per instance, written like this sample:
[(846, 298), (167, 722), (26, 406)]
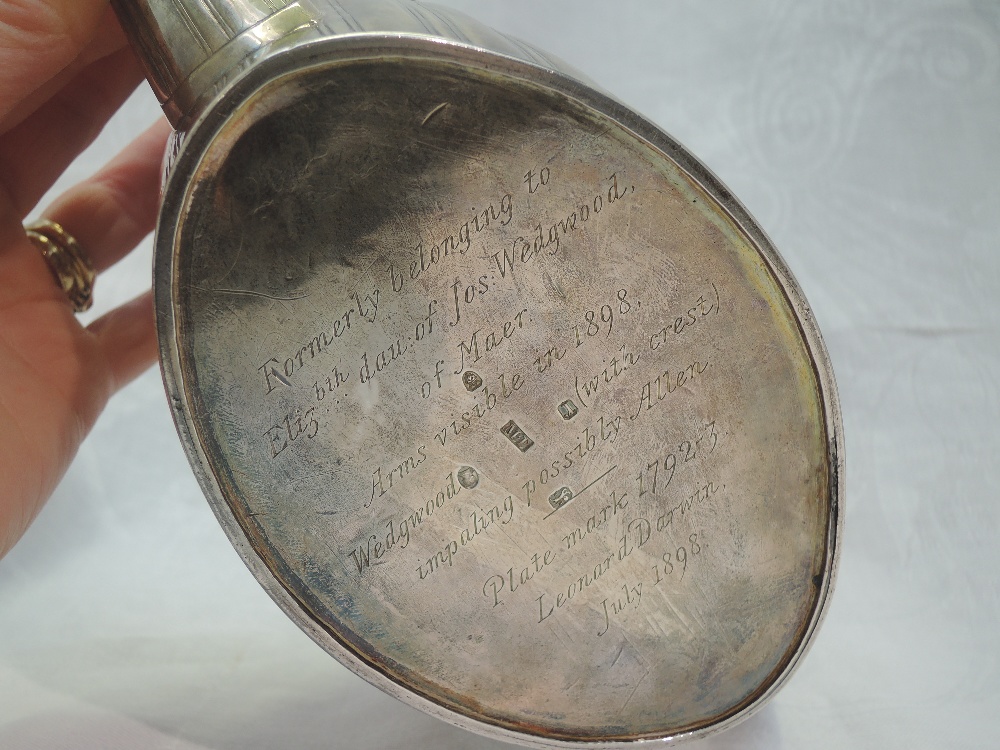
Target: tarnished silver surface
[(193, 49), (501, 396)]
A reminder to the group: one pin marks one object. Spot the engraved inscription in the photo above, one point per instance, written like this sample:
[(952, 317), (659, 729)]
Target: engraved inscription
[(281, 371), (586, 390), (602, 322), (659, 471), (506, 387), (535, 180), (666, 384), (619, 501), (632, 597), (704, 307), (549, 603), (478, 523), (383, 480), (548, 235), (400, 529), (614, 451), (676, 563), (495, 585), (475, 348), (699, 497), (292, 427), (457, 243), (589, 439)]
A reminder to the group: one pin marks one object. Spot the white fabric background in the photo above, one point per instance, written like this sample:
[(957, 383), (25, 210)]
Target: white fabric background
[(865, 137)]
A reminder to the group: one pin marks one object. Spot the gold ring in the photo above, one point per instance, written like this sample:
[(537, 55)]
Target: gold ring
[(70, 266)]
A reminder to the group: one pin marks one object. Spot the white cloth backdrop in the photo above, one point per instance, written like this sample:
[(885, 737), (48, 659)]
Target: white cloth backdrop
[(865, 137)]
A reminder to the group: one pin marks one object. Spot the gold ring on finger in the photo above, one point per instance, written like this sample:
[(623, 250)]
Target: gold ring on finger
[(72, 269)]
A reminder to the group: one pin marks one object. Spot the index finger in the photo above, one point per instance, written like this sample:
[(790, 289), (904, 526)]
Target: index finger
[(38, 40)]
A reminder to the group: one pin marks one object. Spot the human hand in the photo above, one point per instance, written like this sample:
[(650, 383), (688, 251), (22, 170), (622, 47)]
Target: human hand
[(65, 68)]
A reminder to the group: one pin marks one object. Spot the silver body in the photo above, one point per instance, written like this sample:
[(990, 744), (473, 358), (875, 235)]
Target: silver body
[(500, 394)]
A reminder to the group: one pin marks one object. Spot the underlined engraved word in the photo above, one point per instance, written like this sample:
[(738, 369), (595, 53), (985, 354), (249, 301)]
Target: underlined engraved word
[(604, 431), (511, 581), (482, 342), (383, 481), (458, 242), (548, 236), (666, 384), (705, 306), (292, 427), (398, 531), (479, 522), (277, 372), (660, 469)]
